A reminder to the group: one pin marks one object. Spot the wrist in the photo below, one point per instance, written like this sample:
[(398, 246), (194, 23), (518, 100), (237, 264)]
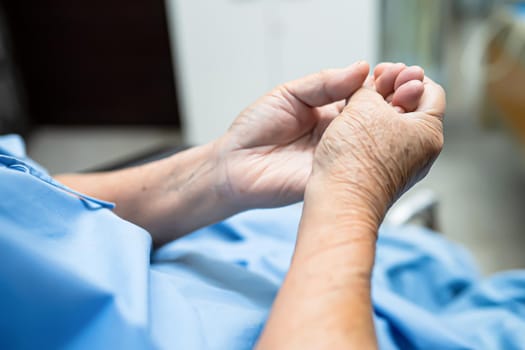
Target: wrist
[(232, 182), (222, 184), (179, 194), (329, 279), (340, 223), (196, 178), (357, 195)]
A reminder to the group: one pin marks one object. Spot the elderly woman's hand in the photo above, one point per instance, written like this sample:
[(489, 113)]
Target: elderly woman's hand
[(266, 156), (383, 142)]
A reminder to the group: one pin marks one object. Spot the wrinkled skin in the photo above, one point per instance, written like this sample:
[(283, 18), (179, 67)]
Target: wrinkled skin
[(268, 154), (376, 150)]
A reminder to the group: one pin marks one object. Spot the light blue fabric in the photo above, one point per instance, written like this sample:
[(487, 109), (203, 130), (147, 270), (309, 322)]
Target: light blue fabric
[(73, 275)]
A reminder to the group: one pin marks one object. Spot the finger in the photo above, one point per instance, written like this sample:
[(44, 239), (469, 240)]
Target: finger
[(332, 110), (339, 106), (433, 102), (381, 67), (328, 86), (385, 82), (327, 114), (408, 95), (408, 74)]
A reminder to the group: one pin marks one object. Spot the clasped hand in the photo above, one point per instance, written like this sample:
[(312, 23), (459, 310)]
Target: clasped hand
[(371, 137)]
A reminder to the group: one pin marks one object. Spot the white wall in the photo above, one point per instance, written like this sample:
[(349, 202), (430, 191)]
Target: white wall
[(229, 52)]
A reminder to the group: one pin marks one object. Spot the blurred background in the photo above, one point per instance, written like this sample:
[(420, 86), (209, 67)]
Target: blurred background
[(90, 84)]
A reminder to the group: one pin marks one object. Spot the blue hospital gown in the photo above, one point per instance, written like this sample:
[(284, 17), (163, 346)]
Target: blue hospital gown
[(73, 275)]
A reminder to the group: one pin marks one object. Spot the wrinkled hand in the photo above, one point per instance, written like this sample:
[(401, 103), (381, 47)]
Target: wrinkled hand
[(386, 138), (266, 156)]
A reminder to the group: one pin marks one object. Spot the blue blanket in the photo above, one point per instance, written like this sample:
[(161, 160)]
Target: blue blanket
[(74, 275)]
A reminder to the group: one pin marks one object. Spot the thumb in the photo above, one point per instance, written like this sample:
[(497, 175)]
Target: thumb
[(328, 86)]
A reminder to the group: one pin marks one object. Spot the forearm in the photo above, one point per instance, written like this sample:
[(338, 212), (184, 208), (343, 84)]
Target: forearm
[(169, 198), (325, 301)]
